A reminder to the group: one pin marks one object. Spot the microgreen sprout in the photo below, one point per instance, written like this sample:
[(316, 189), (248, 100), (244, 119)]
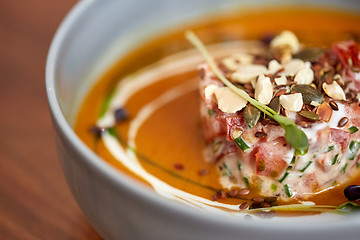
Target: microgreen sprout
[(294, 136), (344, 208)]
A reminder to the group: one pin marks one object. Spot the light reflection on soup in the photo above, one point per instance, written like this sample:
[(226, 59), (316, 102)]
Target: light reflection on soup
[(164, 121)]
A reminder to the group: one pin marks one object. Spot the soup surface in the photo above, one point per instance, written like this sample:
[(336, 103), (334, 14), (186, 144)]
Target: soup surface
[(143, 116)]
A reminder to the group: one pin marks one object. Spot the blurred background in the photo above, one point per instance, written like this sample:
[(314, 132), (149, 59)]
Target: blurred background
[(35, 202)]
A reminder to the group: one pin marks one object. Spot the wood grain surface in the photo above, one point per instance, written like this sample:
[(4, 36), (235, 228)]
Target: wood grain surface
[(35, 202)]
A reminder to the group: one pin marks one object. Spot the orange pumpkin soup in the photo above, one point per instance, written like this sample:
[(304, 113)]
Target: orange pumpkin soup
[(143, 117)]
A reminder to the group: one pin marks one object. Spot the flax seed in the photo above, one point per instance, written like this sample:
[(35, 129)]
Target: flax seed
[(334, 105), (258, 200), (244, 205), (260, 134), (216, 196), (244, 192), (223, 194), (233, 193), (343, 121)]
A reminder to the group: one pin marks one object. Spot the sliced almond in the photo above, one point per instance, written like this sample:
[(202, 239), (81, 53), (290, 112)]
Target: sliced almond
[(286, 39), (209, 91), (263, 89), (334, 91), (314, 103), (236, 60), (304, 76), (246, 73), (274, 66), (228, 101), (293, 67), (292, 102), (280, 80)]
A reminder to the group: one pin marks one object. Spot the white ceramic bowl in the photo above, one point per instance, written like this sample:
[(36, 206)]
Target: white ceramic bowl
[(117, 206)]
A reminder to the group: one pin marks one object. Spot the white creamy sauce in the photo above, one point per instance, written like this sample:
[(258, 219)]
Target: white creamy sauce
[(126, 89), (336, 116)]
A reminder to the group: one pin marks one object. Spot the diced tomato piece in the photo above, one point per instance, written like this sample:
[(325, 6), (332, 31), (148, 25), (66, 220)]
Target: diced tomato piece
[(234, 123), (269, 158), (228, 148), (349, 54), (347, 50), (340, 137), (310, 181)]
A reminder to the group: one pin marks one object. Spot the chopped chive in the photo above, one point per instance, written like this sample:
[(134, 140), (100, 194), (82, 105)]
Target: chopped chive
[(287, 190), (132, 149), (306, 166), (246, 181), (343, 170), (227, 170), (353, 129), (112, 131), (106, 103), (335, 159), (330, 148), (293, 160), (239, 166), (240, 142), (283, 177), (273, 187), (211, 112), (353, 149), (289, 168)]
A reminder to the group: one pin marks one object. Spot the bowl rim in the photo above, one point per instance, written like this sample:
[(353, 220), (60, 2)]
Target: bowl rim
[(118, 179)]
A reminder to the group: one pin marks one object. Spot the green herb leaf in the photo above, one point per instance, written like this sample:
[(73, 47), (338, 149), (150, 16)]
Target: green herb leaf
[(283, 177), (227, 171), (306, 166), (353, 129), (239, 166), (335, 159), (330, 148), (343, 170), (112, 131), (294, 136), (354, 147), (246, 181), (106, 103), (287, 190), (293, 160), (240, 142), (348, 207)]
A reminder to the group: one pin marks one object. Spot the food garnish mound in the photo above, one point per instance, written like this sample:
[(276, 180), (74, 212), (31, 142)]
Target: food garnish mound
[(317, 89)]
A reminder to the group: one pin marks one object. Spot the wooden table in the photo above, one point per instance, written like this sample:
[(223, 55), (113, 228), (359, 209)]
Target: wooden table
[(35, 202)]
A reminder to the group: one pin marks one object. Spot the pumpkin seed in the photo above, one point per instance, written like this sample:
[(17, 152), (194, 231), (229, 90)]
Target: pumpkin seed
[(275, 104), (251, 115), (309, 54), (309, 115), (309, 94)]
